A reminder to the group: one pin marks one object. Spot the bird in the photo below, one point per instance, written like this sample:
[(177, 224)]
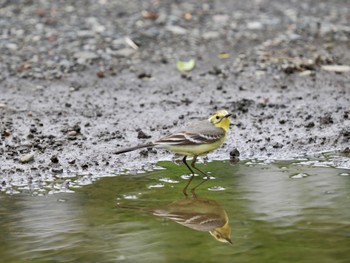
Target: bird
[(197, 213), (197, 139)]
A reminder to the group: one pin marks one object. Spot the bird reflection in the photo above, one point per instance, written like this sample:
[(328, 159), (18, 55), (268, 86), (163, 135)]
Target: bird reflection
[(197, 213)]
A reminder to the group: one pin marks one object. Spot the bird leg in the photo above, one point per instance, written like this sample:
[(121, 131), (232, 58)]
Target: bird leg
[(194, 167), (192, 175), (193, 190), (206, 175)]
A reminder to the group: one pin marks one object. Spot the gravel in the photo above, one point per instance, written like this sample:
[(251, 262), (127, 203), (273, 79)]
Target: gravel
[(78, 82)]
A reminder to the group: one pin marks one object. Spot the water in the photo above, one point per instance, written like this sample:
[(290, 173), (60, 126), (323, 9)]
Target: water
[(278, 212)]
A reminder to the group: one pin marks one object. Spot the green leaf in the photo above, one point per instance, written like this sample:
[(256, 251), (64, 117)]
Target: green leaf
[(185, 65), (224, 55)]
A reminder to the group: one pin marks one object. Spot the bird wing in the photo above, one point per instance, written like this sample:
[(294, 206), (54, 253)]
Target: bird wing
[(193, 220), (203, 132)]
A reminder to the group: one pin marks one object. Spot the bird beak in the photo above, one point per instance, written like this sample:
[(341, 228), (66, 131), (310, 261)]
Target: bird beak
[(227, 115), (229, 240)]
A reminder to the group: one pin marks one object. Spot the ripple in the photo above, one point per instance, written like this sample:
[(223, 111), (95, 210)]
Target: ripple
[(216, 188), (299, 175), (130, 197), (187, 176), (155, 186), (168, 180)]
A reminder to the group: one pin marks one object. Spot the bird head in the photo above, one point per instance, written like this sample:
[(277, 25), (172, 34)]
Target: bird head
[(222, 234), (221, 119)]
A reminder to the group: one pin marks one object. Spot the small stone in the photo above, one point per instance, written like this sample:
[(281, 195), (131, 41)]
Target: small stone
[(72, 133), (27, 158), (254, 25), (54, 159), (76, 128), (125, 52), (3, 105), (57, 170), (234, 153), (307, 73), (311, 124), (326, 120), (84, 56), (176, 30), (211, 35), (100, 74), (142, 135), (277, 145)]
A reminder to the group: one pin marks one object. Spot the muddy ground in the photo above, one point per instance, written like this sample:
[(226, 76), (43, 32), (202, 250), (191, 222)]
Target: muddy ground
[(80, 80)]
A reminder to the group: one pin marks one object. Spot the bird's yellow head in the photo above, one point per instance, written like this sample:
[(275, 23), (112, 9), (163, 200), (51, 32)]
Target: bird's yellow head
[(222, 234), (221, 119)]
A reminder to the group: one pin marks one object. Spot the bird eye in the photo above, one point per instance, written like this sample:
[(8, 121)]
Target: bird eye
[(217, 117)]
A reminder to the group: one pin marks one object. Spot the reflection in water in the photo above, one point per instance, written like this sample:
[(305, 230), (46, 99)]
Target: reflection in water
[(197, 213), (277, 218)]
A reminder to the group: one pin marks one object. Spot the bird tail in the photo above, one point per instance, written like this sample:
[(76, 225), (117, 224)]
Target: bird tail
[(147, 145)]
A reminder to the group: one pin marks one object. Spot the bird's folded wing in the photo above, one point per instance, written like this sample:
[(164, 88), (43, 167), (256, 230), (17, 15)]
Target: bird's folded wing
[(203, 133)]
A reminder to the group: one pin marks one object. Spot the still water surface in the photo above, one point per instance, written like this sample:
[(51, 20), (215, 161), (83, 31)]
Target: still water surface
[(277, 212)]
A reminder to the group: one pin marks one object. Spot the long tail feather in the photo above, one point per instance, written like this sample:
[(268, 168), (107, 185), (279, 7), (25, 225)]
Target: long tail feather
[(135, 148)]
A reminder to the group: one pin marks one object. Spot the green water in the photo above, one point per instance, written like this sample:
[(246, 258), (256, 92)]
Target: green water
[(278, 212)]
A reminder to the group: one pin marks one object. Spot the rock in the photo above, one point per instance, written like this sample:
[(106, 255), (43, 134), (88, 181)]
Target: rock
[(125, 52), (326, 119), (76, 128), (176, 30), (72, 133), (307, 73), (311, 124), (234, 155), (254, 25), (84, 56), (142, 135), (27, 158), (211, 35), (57, 170), (54, 159)]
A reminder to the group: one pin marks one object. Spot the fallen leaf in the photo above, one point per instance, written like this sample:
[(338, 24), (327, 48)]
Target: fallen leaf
[(150, 15), (336, 68), (224, 55), (185, 65)]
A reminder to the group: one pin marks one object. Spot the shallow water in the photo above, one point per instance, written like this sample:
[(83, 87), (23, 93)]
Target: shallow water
[(278, 212)]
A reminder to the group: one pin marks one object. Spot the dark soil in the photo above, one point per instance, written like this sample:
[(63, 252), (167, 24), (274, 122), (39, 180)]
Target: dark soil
[(79, 81)]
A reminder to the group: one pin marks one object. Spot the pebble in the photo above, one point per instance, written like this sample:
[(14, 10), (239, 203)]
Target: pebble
[(84, 56), (254, 25), (27, 158), (176, 30), (72, 133), (57, 170), (142, 135), (211, 35), (124, 52), (54, 159)]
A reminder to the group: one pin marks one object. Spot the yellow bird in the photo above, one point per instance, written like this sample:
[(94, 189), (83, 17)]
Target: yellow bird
[(199, 138), (196, 213)]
